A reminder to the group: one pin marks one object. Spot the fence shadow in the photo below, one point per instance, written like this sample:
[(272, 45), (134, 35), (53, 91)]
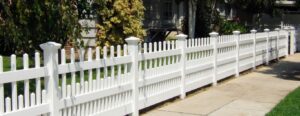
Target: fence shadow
[(287, 70)]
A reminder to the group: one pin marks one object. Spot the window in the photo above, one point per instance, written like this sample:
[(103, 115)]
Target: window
[(167, 10)]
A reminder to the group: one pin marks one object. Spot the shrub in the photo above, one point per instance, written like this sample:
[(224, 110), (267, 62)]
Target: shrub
[(25, 24), (117, 20), (227, 27)]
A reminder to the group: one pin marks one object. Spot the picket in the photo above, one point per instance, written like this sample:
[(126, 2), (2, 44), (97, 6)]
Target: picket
[(90, 71), (64, 77), (81, 59), (14, 84), (8, 104), (1, 88), (98, 71), (37, 80), (26, 85)]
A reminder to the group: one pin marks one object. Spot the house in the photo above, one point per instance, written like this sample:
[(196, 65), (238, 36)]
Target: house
[(163, 17)]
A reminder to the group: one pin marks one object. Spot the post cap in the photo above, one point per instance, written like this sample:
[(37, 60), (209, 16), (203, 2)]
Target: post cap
[(253, 31), (292, 28), (50, 45), (266, 30), (213, 34), (132, 40), (181, 37), (236, 32), (286, 28), (277, 29)]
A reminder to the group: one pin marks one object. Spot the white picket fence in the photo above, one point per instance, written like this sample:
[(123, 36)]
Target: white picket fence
[(137, 77)]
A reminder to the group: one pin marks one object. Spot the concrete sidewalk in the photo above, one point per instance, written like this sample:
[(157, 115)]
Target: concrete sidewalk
[(253, 94)]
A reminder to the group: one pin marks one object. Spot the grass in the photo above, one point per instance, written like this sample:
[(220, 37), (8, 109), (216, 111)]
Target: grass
[(289, 106), (19, 61), (20, 84)]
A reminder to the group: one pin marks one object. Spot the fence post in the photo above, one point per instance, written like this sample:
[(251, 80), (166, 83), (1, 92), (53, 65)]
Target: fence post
[(133, 50), (287, 40), (253, 31), (293, 40), (237, 59), (181, 44), (267, 45), (214, 38), (1, 88), (277, 43), (50, 50)]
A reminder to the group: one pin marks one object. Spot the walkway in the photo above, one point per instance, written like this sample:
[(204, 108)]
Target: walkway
[(253, 94)]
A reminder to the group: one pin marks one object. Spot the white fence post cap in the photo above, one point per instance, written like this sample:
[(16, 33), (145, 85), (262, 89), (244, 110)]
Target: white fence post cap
[(292, 28), (286, 28), (266, 30), (253, 31), (181, 37), (213, 34), (277, 29), (51, 44), (236, 32), (132, 40)]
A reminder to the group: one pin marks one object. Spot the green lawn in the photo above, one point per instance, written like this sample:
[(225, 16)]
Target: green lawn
[(19, 60), (6, 63), (7, 67), (289, 106)]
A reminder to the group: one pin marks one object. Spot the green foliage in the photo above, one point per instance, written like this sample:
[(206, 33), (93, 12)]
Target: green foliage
[(256, 8), (298, 4), (207, 19), (227, 27), (25, 24), (117, 20), (20, 84), (289, 106)]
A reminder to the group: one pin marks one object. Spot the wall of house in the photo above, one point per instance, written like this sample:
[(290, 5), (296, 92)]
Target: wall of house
[(163, 14), (89, 33)]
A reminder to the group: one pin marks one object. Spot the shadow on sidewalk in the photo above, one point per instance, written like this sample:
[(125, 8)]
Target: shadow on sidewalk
[(285, 70)]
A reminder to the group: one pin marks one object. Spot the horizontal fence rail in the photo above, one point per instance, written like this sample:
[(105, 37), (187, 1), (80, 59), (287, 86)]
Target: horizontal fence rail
[(121, 80)]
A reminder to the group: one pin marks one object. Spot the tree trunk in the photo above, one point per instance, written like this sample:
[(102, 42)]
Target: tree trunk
[(192, 17)]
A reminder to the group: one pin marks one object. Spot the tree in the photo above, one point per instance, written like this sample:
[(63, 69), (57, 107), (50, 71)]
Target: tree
[(255, 7), (118, 19), (203, 18), (192, 17), (25, 24), (207, 17)]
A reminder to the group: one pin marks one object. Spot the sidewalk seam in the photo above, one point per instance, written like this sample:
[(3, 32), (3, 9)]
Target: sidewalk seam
[(182, 112), (221, 107)]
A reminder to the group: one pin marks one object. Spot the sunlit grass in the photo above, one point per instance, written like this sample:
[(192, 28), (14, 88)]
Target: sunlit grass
[(289, 106)]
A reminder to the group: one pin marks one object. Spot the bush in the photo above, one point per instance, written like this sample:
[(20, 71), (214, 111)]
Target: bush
[(25, 24), (117, 20), (227, 27)]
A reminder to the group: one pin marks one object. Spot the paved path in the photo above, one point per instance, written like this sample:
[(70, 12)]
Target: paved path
[(253, 94)]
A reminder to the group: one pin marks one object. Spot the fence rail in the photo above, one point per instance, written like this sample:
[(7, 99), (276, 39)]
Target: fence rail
[(131, 77)]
